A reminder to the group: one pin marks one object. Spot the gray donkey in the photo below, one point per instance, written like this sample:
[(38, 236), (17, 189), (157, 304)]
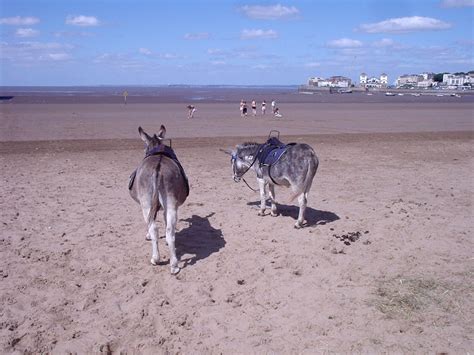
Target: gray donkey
[(159, 181), (293, 165)]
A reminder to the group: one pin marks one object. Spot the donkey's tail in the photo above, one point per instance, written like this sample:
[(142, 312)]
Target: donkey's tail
[(308, 180), (155, 199)]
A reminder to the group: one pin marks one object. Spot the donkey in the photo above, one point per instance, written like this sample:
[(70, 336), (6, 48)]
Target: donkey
[(293, 165), (159, 181)]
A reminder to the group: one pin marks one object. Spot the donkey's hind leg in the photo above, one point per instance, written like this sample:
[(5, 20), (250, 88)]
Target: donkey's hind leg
[(302, 201), (171, 219), (153, 234)]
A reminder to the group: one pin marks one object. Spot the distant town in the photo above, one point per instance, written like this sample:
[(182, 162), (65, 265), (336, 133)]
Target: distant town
[(423, 81)]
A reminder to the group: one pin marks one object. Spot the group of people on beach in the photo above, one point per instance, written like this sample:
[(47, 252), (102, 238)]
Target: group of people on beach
[(244, 108)]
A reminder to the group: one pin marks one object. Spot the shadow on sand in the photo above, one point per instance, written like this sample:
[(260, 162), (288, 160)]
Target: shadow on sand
[(199, 238), (312, 216)]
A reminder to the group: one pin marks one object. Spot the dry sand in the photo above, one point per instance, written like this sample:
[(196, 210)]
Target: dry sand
[(74, 264)]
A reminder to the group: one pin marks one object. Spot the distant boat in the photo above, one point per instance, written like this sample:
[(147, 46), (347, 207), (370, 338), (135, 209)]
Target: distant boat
[(388, 93), (344, 91), (6, 98), (400, 94)]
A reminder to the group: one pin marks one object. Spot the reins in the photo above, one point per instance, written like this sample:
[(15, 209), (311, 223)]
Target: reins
[(250, 187), (233, 159)]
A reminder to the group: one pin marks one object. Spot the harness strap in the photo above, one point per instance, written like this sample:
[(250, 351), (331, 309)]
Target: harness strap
[(169, 153)]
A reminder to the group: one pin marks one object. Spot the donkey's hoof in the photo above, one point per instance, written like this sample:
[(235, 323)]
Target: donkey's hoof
[(261, 213), (154, 261), (274, 214), (147, 237), (298, 225), (175, 270)]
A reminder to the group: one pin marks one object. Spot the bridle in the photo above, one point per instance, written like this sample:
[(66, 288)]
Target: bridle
[(237, 176)]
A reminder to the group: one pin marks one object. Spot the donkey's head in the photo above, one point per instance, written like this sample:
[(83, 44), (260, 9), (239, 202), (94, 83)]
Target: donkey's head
[(152, 141), (242, 159)]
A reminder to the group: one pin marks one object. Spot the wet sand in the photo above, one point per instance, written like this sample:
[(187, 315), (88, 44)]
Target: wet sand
[(384, 265)]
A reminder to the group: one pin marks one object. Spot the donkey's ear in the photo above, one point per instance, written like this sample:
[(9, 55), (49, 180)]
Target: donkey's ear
[(162, 132), (145, 137), (226, 151)]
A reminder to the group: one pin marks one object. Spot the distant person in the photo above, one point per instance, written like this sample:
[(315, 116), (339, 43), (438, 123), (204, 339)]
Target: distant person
[(244, 109), (277, 113), (191, 110), (125, 94), (273, 106), (254, 108), (264, 107)]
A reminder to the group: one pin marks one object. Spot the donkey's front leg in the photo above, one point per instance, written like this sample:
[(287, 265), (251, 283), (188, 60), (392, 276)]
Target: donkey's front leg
[(263, 205), (171, 218), (271, 190)]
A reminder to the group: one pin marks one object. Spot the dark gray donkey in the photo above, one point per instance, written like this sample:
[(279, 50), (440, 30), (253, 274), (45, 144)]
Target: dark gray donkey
[(291, 165), (159, 181)]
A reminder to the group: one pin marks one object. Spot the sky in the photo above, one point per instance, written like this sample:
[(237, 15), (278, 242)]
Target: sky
[(222, 42)]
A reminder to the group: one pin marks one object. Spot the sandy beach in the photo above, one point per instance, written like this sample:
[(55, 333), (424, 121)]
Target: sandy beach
[(385, 264)]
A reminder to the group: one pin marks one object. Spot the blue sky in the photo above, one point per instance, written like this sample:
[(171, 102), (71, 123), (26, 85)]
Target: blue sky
[(125, 42)]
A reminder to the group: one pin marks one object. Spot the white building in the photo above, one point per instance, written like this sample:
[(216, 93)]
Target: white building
[(373, 82), (340, 81), (425, 83), (411, 79), (334, 81), (458, 80)]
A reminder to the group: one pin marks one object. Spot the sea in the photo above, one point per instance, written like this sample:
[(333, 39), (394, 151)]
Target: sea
[(191, 94)]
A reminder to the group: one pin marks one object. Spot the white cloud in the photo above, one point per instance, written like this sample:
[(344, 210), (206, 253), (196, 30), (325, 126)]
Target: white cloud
[(345, 43), (56, 56), (261, 67), (218, 62), (72, 34), (258, 34), (26, 32), (273, 12), (119, 60), (31, 52), (457, 3), (384, 42), (313, 65), (19, 21), (405, 24), (169, 56), (197, 36), (144, 51), (81, 20)]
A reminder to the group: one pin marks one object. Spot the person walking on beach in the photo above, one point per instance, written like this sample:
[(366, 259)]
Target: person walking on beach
[(125, 94), (264, 107), (191, 110), (254, 108), (273, 106), (242, 108)]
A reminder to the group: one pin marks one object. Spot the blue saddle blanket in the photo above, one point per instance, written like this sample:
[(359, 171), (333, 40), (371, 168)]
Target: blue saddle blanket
[(272, 151)]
